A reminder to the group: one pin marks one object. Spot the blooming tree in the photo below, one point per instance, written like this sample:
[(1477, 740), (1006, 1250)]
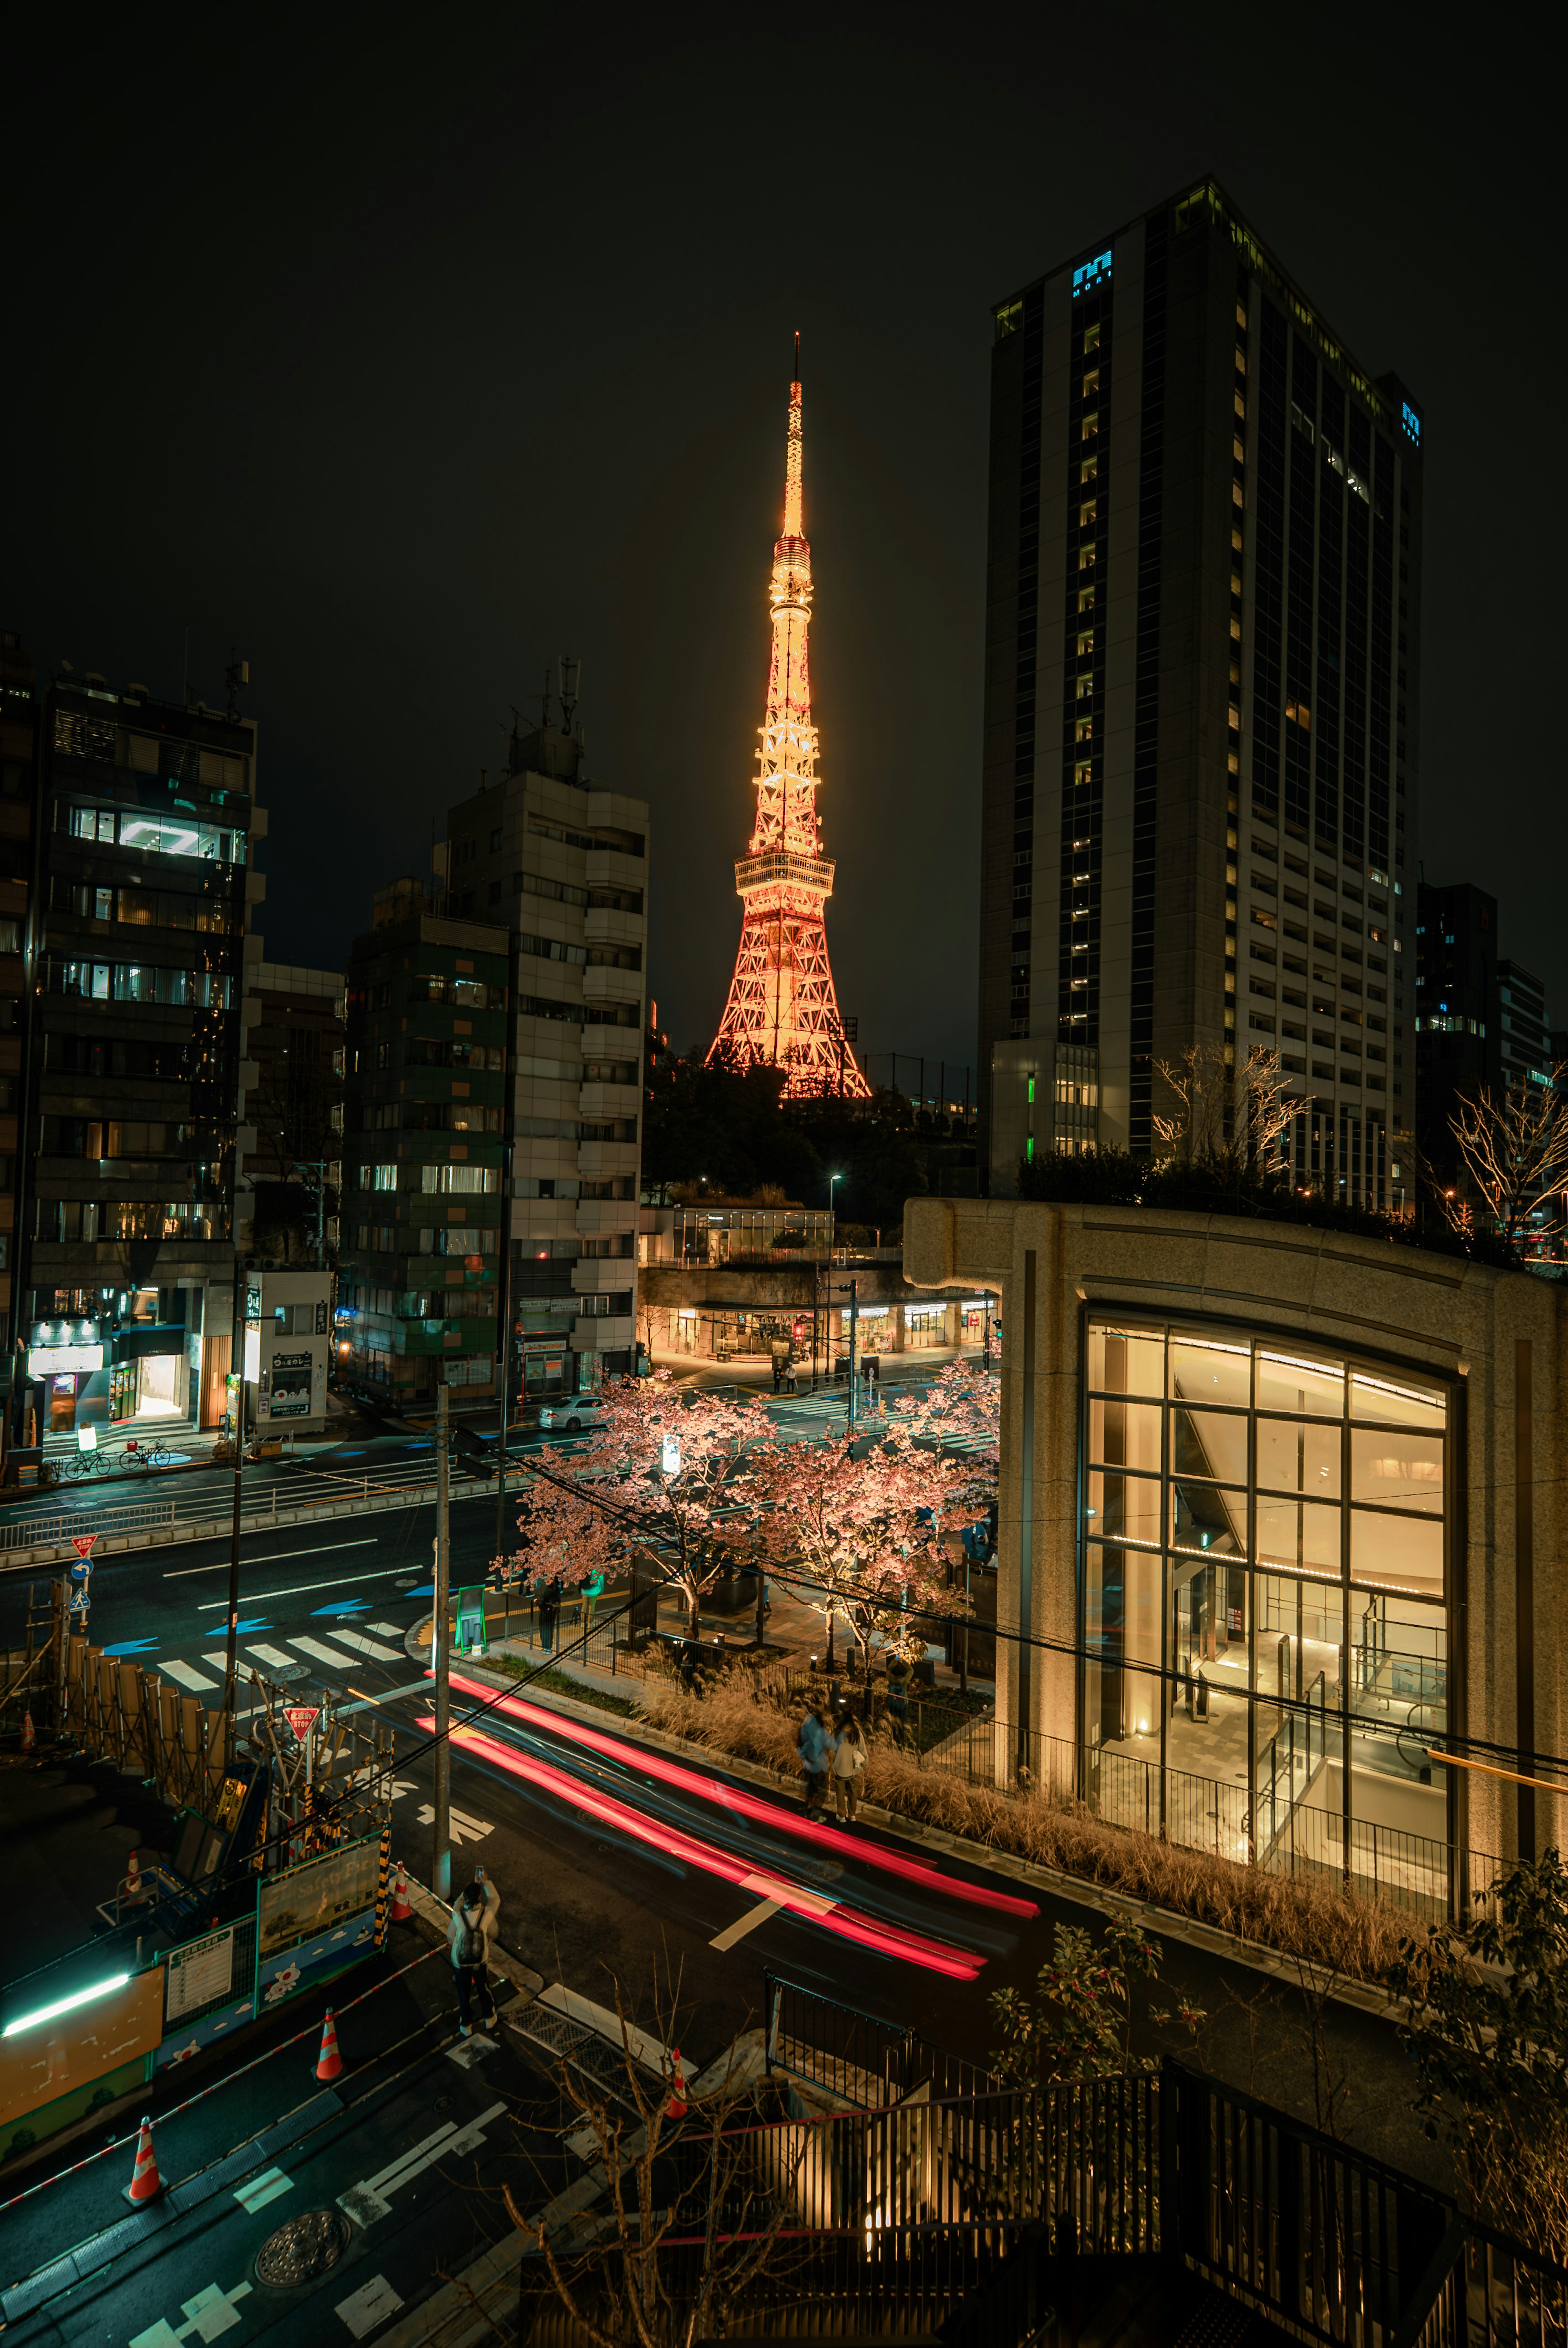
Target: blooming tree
[(666, 1476), (959, 1417), (857, 1537)]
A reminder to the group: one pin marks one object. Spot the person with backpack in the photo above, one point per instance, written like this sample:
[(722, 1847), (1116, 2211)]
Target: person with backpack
[(474, 1915)]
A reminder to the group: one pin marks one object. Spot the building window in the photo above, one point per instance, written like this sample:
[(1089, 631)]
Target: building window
[(1262, 1552)]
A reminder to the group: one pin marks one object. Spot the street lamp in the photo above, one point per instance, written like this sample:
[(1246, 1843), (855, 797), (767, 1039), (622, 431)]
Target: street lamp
[(831, 1180)]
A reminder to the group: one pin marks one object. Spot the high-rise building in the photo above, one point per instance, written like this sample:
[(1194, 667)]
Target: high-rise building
[(18, 808), (295, 1043), (781, 1008), (141, 933), (1525, 1026), (418, 1291), (1458, 1022), (1202, 681), (563, 862)]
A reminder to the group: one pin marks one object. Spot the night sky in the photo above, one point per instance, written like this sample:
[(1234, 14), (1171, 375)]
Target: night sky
[(401, 352)]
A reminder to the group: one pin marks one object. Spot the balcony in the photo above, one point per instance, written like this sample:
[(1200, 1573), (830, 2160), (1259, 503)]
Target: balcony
[(596, 1216), (603, 986), (610, 1100), (595, 1160), (602, 925), (609, 868), (600, 1275)]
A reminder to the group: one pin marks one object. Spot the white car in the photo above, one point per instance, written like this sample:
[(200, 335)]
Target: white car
[(573, 1414)]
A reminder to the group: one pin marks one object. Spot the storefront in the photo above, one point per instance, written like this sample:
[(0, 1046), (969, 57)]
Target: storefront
[(926, 1324)]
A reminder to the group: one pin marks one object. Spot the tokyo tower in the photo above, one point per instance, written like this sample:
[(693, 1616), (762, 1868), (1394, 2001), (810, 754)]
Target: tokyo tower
[(783, 1010)]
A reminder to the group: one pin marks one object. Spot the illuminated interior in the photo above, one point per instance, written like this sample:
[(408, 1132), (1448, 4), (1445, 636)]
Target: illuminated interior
[(1265, 1611)]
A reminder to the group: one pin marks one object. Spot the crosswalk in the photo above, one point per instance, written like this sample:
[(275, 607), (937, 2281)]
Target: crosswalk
[(359, 1643)]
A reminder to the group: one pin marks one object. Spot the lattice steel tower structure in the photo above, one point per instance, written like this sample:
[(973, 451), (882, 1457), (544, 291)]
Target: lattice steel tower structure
[(783, 1010)]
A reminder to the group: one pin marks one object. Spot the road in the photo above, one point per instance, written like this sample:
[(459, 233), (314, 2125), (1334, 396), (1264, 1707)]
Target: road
[(677, 1886)]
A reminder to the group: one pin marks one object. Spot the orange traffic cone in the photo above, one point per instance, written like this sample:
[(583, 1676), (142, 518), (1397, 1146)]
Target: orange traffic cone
[(329, 2062), (146, 2184), (675, 2109), (133, 1883), (402, 1912), (29, 1733)]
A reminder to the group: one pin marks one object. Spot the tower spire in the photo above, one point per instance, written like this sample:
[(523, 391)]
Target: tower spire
[(781, 1008)]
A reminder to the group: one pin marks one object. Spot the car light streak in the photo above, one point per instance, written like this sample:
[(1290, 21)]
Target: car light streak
[(887, 1939), (753, 1805)]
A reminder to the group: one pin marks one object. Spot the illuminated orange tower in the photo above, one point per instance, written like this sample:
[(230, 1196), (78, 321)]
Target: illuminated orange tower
[(781, 1008)]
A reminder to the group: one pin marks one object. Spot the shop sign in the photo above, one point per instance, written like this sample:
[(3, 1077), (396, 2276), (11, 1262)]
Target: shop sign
[(60, 1361), (291, 1386)]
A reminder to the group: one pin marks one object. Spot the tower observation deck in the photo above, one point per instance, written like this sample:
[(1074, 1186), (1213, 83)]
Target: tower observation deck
[(781, 1008)]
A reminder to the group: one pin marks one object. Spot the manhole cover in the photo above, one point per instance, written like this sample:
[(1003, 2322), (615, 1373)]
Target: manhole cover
[(411, 1583), (303, 2249)]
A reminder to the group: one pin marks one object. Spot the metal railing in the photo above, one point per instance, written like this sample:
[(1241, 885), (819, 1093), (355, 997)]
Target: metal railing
[(53, 1527), (855, 2056)]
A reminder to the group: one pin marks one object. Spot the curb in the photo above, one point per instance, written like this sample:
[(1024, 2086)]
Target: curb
[(1208, 1938)]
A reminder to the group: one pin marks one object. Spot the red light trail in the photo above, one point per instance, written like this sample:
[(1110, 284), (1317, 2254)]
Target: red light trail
[(885, 1940), (753, 1805)]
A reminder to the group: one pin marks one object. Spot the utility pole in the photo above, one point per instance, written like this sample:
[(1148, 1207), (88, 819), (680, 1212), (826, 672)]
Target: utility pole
[(231, 1653), (441, 1869), (854, 1331)]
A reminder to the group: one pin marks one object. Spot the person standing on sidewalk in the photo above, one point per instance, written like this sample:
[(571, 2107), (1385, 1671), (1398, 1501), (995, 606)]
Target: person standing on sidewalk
[(848, 1766), (815, 1749), (474, 1918)]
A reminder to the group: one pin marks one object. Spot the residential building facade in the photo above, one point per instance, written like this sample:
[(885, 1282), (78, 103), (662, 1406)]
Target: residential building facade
[(564, 861), (18, 808), (1201, 695), (141, 926), (419, 1292)]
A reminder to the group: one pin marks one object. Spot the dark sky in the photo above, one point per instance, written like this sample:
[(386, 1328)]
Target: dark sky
[(403, 351)]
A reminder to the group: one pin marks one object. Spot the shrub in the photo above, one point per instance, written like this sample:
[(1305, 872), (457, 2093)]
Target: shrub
[(1306, 1920)]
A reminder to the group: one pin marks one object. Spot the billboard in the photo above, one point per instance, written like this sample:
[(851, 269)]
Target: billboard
[(313, 1898), (291, 1387)]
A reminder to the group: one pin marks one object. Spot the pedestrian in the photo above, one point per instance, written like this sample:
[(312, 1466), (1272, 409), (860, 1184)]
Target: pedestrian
[(848, 1768), (815, 1749), (468, 1940), (549, 1611)]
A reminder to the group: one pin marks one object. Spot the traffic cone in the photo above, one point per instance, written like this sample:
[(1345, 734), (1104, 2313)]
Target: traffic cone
[(29, 1733), (133, 1884), (146, 2184), (675, 2109), (329, 2062), (402, 1912)]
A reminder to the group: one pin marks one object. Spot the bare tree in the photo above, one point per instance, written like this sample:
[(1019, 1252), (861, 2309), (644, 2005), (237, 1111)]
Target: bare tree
[(1231, 1119), (691, 2210), (1515, 1152)]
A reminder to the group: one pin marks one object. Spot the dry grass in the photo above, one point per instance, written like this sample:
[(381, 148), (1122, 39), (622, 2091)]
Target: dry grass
[(1310, 1921)]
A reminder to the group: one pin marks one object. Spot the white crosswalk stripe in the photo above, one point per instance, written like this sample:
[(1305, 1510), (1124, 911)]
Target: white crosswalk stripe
[(388, 1630), (274, 1656), (363, 1646), (186, 1674), (320, 1654)]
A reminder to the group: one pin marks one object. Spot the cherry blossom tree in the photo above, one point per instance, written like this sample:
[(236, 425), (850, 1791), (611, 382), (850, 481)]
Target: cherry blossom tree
[(667, 1476), (959, 1417), (857, 1537)]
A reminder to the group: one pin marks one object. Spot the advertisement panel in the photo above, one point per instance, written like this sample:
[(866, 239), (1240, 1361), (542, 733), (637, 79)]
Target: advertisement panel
[(291, 1386), (198, 1974), (311, 1898), (300, 1967), (49, 2059)]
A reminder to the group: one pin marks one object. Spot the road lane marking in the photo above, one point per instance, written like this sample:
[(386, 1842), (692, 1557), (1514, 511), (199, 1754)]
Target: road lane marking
[(320, 1654), (218, 1659), (262, 2190), (187, 1674), (747, 1923), (369, 2199), (388, 1630), (374, 1648), (272, 1656), (370, 2304), (301, 1589), (209, 2314), (273, 1557), (463, 1829)]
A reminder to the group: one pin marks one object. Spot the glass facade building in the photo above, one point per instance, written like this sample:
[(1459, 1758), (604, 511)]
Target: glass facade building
[(1263, 1594)]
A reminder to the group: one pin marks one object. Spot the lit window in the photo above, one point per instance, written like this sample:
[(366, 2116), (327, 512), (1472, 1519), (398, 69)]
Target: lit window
[(1241, 316), (1092, 338), (1089, 468), (1091, 382), (1240, 360), (1237, 451), (1084, 730), (1086, 685), (1299, 713), (1091, 426), (1085, 645), (1086, 514)]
